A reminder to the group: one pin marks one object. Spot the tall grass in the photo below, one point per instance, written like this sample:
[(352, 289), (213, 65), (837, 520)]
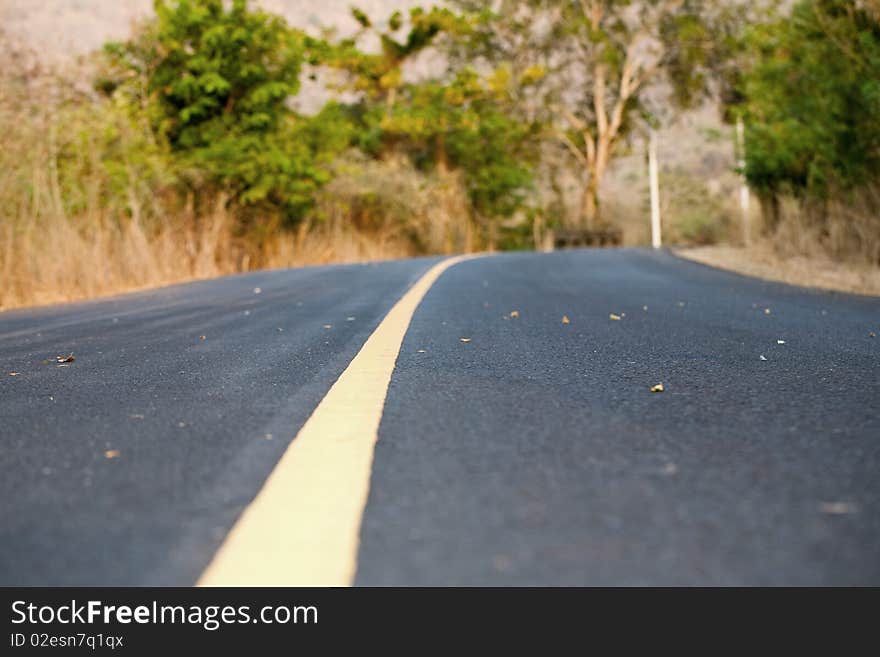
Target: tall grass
[(89, 205), (845, 227)]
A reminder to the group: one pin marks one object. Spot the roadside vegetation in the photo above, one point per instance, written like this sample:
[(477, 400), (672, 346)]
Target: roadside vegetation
[(185, 152)]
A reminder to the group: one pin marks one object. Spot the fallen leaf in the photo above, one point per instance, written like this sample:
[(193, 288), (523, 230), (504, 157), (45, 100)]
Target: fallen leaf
[(565, 319), (465, 339), (657, 388), (872, 334), (614, 317), (514, 313), (203, 337), (14, 373), (838, 508), (65, 359), (780, 342), (112, 454), (762, 357)]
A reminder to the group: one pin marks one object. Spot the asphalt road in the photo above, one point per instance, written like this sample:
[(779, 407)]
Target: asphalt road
[(534, 453)]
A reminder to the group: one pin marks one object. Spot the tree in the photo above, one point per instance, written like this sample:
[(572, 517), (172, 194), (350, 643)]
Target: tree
[(216, 78), (464, 124), (599, 59), (379, 76), (812, 100), (459, 121)]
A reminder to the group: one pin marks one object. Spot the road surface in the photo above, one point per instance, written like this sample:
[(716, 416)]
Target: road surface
[(514, 447)]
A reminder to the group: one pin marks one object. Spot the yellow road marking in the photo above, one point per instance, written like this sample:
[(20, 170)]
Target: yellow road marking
[(302, 528)]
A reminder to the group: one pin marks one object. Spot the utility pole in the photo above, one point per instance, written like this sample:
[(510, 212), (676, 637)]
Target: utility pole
[(743, 186), (656, 240)]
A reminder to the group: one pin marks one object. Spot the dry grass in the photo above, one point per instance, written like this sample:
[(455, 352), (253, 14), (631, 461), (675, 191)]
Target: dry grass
[(89, 205), (816, 270), (65, 260), (833, 245)]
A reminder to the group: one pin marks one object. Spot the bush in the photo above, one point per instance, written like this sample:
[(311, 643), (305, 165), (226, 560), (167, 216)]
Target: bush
[(216, 78), (691, 214)]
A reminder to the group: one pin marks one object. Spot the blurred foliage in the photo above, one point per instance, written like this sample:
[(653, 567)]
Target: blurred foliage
[(812, 100), (458, 121), (692, 215), (196, 113), (215, 79), (589, 70)]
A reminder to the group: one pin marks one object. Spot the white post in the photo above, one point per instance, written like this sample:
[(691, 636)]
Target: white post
[(656, 240), (743, 187)]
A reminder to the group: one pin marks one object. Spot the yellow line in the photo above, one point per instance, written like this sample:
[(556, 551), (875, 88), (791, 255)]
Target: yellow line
[(302, 528)]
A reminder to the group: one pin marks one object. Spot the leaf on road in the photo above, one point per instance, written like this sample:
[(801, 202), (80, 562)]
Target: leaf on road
[(203, 337), (657, 388), (65, 359), (111, 454), (465, 339), (838, 508), (565, 319), (762, 357), (614, 317), (872, 334), (514, 313)]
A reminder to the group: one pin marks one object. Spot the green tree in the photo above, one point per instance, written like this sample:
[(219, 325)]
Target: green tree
[(216, 80), (463, 124), (459, 121), (379, 76), (812, 93), (597, 59)]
